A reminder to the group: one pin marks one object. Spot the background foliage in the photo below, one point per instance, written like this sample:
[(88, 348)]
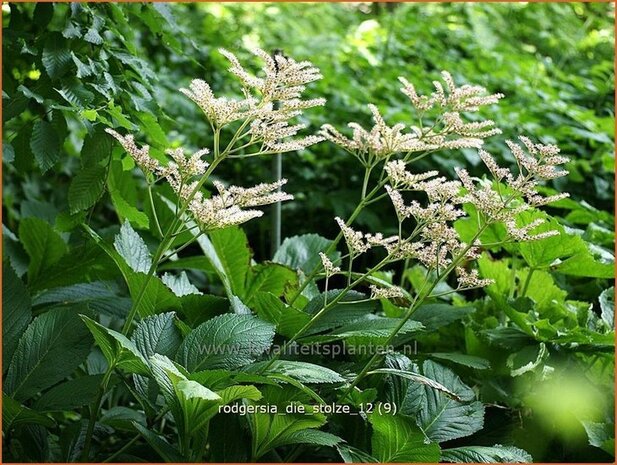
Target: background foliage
[(72, 69)]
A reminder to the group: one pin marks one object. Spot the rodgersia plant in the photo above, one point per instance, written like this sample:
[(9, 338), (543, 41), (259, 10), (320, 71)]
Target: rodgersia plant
[(425, 206)]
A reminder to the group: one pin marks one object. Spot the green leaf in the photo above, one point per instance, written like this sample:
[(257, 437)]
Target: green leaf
[(397, 439), (70, 395), (157, 334), (347, 310), (228, 251), (226, 341), (352, 455), (434, 316), (86, 188), (470, 361), (97, 147), (302, 252), (99, 296), (180, 284), (133, 249), (601, 435), (607, 306), (117, 348), (52, 346), (8, 153), (126, 211), (417, 378), (45, 145), (441, 417), (166, 451), (485, 454), (16, 312), (271, 431), (15, 414), (56, 55), (527, 359), (300, 371), (269, 277)]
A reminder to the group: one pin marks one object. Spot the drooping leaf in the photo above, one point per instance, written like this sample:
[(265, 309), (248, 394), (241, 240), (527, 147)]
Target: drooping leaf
[(226, 341), (52, 346), (398, 439), (86, 188), (97, 147), (56, 56)]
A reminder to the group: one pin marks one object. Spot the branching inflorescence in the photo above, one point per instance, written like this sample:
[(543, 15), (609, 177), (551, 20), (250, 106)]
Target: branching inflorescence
[(262, 122)]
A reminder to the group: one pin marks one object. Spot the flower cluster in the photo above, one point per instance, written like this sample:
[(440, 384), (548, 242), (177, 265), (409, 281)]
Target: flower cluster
[(393, 292), (470, 279), (271, 100), (227, 207), (449, 131), (328, 266)]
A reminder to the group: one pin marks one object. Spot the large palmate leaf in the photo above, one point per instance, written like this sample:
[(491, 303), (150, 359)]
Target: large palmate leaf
[(52, 346), (16, 313), (226, 341), (444, 417), (398, 439), (485, 454)]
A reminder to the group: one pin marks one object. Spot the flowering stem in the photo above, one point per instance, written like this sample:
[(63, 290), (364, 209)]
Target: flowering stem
[(527, 281), (412, 308), (156, 218)]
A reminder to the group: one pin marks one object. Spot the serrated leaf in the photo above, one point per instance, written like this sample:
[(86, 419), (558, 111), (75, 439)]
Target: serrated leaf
[(70, 395), (180, 284), (417, 378), (52, 346), (117, 348), (97, 147), (226, 341), (86, 188), (398, 439), (16, 314), (56, 55), (269, 277), (463, 359), (45, 145), (133, 249), (157, 334), (434, 316), (300, 371), (44, 246), (15, 414), (485, 454), (441, 417)]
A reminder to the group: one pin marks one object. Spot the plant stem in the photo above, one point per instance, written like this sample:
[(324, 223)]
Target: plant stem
[(527, 281), (94, 412)]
